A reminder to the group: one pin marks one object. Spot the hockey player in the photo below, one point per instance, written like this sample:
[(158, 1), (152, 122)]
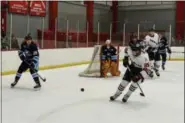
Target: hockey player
[(30, 60), (133, 41), (151, 41), (109, 60), (138, 70), (163, 45)]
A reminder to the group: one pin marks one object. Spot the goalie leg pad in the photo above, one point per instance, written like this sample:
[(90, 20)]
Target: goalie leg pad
[(114, 69), (105, 68)]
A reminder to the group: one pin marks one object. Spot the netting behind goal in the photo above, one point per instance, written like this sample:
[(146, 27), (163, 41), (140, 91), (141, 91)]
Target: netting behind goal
[(94, 68)]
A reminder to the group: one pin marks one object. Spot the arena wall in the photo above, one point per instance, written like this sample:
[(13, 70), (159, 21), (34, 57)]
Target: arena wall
[(58, 58)]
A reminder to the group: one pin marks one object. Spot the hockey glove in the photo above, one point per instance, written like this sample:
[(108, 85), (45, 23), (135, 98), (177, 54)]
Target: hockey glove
[(137, 77), (34, 66), (125, 61), (169, 50), (22, 55), (148, 49)]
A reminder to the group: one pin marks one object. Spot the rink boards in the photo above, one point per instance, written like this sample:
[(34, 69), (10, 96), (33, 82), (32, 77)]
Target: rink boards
[(58, 58)]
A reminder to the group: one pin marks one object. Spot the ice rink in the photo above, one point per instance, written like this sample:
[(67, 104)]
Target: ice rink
[(61, 101)]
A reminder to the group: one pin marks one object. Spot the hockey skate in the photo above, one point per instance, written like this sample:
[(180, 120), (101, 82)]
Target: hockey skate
[(13, 84), (163, 67), (37, 87), (157, 72), (115, 96), (125, 98), (151, 74)]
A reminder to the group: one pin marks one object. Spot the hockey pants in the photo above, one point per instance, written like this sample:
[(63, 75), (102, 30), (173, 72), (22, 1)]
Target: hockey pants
[(22, 68)]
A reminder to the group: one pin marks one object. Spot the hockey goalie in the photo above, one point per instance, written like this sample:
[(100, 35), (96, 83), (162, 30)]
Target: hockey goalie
[(109, 60), (104, 62)]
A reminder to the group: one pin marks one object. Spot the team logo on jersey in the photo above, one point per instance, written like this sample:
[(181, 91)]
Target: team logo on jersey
[(153, 41), (136, 65)]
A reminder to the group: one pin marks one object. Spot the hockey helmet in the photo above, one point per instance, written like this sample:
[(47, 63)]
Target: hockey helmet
[(28, 37), (136, 49), (151, 32), (107, 41)]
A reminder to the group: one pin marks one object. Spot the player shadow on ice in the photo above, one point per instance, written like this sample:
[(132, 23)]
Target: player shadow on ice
[(102, 101), (131, 104), (19, 88), (167, 71)]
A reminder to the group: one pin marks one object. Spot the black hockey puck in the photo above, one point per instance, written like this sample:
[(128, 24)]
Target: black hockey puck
[(82, 89)]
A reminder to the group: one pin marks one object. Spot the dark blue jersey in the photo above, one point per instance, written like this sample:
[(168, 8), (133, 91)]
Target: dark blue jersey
[(108, 53), (31, 51), (163, 45)]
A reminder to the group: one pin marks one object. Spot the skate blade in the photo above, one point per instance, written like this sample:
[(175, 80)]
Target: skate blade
[(37, 89), (12, 86)]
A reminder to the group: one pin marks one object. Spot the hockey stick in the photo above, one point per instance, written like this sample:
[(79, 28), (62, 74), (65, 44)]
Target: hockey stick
[(177, 52), (42, 78), (170, 56), (142, 93)]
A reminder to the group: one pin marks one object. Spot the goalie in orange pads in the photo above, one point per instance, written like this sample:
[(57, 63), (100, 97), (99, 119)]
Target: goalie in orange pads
[(109, 59)]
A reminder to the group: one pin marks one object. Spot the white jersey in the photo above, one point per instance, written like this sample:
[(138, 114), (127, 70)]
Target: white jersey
[(152, 41), (140, 61)]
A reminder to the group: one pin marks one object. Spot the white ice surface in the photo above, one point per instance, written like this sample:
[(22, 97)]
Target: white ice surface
[(61, 101)]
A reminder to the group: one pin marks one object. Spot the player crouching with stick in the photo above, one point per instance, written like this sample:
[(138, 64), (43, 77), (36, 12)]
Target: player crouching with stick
[(109, 60), (30, 60), (135, 73)]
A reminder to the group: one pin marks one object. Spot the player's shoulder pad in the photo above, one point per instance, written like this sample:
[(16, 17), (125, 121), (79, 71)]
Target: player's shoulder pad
[(147, 37), (156, 35), (34, 46)]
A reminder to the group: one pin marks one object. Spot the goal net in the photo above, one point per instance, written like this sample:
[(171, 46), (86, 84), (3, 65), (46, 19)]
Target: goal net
[(94, 67)]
